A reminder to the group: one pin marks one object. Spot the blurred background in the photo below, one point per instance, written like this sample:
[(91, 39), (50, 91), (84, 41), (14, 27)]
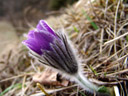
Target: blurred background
[(20, 12)]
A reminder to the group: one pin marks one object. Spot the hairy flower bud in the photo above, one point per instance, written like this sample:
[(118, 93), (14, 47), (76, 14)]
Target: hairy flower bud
[(54, 50)]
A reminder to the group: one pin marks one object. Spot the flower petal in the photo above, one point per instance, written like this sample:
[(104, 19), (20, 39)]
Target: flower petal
[(39, 39), (44, 40), (33, 45), (42, 25), (31, 34)]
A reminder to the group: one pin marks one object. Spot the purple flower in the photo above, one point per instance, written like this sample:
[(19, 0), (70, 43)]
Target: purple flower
[(52, 48), (40, 38)]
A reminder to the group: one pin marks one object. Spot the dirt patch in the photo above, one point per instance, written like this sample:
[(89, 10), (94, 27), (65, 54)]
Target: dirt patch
[(7, 35)]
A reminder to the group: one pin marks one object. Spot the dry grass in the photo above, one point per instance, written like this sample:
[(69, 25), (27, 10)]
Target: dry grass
[(98, 30)]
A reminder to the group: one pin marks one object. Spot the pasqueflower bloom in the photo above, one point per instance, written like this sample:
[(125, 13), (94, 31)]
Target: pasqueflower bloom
[(54, 50)]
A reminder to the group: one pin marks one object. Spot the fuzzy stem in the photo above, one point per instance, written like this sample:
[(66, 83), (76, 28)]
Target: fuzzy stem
[(86, 83)]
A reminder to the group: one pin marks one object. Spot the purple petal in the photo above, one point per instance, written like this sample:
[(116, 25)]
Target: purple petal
[(42, 25), (31, 34), (39, 40), (44, 40), (33, 45)]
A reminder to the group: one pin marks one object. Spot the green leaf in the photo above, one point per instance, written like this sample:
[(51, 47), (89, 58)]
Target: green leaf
[(103, 89), (19, 85), (94, 71), (91, 22), (127, 38), (82, 93), (75, 29)]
